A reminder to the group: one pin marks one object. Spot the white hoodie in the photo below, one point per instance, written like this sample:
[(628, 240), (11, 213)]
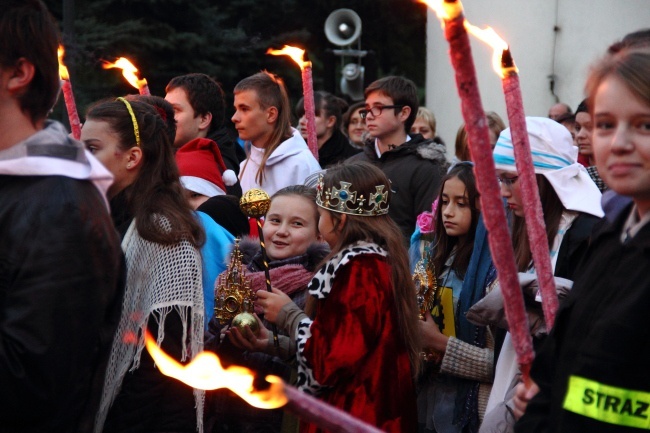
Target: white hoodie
[(289, 164), (50, 152)]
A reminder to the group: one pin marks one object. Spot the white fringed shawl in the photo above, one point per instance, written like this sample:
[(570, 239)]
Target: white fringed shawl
[(160, 279)]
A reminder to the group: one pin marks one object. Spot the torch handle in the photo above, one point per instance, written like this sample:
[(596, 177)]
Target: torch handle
[(492, 208), (71, 107), (267, 275), (310, 111), (323, 415), (144, 90)]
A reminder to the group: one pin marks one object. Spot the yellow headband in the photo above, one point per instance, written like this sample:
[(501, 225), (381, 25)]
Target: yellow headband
[(136, 131)]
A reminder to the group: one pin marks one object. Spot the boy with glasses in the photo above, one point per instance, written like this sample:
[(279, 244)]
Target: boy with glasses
[(413, 164)]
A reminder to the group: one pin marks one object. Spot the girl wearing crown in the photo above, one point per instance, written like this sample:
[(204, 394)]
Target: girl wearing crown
[(358, 343)]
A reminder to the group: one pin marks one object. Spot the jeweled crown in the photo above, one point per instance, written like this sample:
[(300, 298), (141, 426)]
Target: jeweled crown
[(345, 200)]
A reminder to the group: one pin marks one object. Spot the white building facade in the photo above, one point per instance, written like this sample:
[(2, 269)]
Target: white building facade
[(553, 43)]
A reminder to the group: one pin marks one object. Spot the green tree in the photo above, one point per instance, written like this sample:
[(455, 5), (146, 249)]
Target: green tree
[(227, 40)]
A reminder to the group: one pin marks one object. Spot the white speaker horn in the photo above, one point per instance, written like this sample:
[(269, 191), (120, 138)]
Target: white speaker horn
[(343, 27)]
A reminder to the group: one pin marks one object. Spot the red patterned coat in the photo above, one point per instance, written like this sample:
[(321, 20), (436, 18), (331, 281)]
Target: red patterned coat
[(352, 355)]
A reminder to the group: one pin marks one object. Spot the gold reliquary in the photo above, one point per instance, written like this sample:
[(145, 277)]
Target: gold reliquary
[(233, 293), (426, 285)]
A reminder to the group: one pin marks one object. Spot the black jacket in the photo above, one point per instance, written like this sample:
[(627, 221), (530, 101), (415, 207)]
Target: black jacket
[(335, 150), (149, 401), (574, 245), (225, 211), (601, 335), (415, 170), (572, 250), (61, 286)]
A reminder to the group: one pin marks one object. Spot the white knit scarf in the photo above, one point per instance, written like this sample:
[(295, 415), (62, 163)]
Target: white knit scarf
[(160, 279)]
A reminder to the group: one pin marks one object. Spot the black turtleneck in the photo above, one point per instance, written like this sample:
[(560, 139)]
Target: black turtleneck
[(336, 149), (120, 212)]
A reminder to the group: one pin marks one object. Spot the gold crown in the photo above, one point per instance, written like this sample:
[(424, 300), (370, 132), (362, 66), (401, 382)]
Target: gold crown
[(344, 200), (233, 293)]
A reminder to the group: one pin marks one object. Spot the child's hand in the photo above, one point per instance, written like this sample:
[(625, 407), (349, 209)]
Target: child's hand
[(248, 340), (432, 338), (272, 303), (523, 393)]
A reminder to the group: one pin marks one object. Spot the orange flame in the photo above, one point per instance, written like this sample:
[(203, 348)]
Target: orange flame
[(205, 372), (296, 54), (128, 71), (63, 71), (444, 10), (490, 37)]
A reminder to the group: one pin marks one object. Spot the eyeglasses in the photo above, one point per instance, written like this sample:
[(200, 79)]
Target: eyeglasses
[(376, 110), (507, 181)]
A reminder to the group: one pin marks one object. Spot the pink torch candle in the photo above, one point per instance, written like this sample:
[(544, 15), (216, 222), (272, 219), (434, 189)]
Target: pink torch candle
[(299, 56), (451, 13), (310, 109), (504, 66), (68, 97), (130, 73), (533, 212), (144, 89)]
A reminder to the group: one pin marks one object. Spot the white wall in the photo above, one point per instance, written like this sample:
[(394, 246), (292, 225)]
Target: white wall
[(585, 30)]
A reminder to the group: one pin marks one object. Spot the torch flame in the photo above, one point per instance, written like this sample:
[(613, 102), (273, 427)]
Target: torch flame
[(205, 372), (490, 37), (128, 71), (448, 10), (445, 10), (63, 71), (296, 54)]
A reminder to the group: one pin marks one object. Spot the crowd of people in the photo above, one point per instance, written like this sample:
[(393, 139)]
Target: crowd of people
[(126, 232)]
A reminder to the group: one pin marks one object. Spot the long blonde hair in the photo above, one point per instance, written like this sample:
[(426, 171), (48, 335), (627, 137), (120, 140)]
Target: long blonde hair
[(271, 92), (382, 231)]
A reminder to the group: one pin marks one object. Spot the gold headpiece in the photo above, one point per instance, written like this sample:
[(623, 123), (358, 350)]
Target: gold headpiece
[(136, 130), (343, 200), (233, 293)]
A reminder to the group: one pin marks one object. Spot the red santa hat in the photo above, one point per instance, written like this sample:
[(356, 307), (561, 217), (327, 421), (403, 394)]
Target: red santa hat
[(202, 169)]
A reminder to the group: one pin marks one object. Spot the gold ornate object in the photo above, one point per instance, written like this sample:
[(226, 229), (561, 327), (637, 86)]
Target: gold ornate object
[(246, 319), (426, 285), (233, 292), (255, 203)]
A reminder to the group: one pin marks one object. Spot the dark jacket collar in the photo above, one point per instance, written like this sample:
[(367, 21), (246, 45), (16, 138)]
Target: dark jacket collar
[(615, 227), (336, 149), (121, 213), (419, 146)]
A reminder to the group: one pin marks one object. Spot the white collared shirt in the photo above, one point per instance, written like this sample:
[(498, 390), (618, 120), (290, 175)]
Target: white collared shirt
[(378, 152), (633, 224)]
